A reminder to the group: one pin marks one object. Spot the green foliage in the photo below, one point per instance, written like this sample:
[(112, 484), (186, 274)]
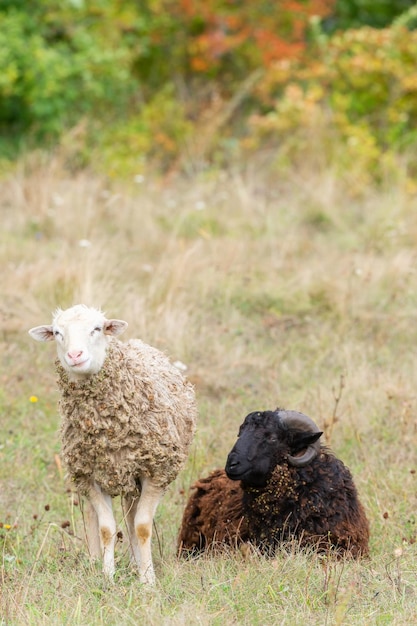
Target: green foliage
[(157, 133), (356, 13), (57, 66)]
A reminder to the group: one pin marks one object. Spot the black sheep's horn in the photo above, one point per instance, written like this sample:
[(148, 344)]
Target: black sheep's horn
[(299, 421), (306, 458)]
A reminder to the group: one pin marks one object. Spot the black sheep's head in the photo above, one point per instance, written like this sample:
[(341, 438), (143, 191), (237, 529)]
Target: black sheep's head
[(271, 438)]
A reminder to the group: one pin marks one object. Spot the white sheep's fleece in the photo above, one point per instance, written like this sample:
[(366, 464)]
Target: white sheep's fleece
[(135, 418)]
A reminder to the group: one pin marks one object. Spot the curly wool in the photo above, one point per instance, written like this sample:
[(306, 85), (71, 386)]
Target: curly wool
[(318, 505), (135, 418), (213, 516)]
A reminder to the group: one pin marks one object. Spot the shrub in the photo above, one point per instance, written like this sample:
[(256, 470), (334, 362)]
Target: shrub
[(359, 85), (54, 71)]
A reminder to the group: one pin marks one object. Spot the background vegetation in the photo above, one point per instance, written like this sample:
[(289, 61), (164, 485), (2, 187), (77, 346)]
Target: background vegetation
[(128, 86), (238, 183)]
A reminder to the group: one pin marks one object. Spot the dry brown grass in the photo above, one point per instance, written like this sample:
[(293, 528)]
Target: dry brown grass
[(272, 292)]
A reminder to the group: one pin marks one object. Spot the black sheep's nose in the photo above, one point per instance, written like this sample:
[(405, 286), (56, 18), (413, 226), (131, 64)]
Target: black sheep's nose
[(232, 462)]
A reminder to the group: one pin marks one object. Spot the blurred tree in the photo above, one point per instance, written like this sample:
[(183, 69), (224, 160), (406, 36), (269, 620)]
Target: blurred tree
[(62, 60), (58, 62), (164, 74), (356, 13)]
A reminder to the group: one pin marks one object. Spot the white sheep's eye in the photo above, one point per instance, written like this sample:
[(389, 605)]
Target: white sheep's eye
[(57, 333), (97, 329)]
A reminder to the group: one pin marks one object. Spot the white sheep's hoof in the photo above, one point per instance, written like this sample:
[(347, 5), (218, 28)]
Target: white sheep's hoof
[(147, 578), (109, 573)]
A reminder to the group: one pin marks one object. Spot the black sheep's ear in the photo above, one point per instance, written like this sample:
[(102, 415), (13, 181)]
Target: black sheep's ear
[(303, 440), (305, 448)]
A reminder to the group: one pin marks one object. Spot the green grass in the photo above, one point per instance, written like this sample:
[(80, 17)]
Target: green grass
[(288, 293)]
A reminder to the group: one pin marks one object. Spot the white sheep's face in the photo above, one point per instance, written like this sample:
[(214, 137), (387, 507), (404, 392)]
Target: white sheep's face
[(81, 336)]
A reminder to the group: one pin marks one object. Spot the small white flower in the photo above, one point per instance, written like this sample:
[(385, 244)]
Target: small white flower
[(200, 205), (84, 243), (9, 558), (139, 179), (57, 199)]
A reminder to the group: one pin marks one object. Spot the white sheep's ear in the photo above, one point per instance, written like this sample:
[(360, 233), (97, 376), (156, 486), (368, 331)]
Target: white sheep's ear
[(114, 327), (42, 333)]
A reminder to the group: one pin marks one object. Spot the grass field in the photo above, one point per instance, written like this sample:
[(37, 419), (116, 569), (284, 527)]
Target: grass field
[(274, 292)]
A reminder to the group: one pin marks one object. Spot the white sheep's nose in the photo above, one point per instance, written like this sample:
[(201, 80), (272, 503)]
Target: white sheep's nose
[(74, 355)]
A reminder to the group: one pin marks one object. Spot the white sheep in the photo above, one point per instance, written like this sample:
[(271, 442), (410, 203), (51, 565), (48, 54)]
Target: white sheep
[(128, 419)]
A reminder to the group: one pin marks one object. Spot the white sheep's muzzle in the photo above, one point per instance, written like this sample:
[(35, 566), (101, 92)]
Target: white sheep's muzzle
[(79, 364), (82, 361)]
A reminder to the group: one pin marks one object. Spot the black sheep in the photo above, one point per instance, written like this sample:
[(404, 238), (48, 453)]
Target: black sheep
[(280, 483)]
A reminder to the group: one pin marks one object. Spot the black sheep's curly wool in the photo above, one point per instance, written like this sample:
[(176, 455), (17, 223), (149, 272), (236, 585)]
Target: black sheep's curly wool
[(213, 516), (317, 504)]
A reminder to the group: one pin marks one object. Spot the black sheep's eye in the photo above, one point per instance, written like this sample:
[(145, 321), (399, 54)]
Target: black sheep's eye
[(97, 329)]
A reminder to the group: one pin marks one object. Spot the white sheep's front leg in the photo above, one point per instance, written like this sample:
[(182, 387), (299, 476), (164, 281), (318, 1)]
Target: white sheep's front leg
[(106, 523), (145, 512), (130, 505), (91, 531)]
